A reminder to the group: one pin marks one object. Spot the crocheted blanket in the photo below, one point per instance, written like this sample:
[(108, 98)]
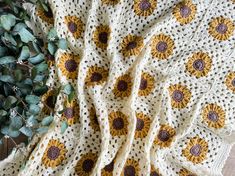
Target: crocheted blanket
[(155, 88)]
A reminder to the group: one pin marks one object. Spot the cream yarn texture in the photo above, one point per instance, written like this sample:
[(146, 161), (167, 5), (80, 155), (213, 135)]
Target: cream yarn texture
[(155, 88)]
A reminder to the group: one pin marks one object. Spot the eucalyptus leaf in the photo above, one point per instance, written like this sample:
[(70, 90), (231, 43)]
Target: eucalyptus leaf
[(18, 75), (9, 39), (7, 21), (18, 27), (42, 67), (9, 101), (47, 120), (7, 60), (26, 131), (52, 48), (36, 59), (3, 113), (3, 51), (42, 130), (26, 36), (16, 122), (32, 99), (13, 133), (25, 53), (7, 78), (39, 78), (68, 89), (34, 109), (64, 126), (62, 44), (32, 121), (52, 35), (5, 130)]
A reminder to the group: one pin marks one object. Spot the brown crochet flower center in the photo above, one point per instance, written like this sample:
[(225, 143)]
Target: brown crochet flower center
[(129, 171), (122, 85), (185, 11), (53, 152), (109, 167), (139, 124), (72, 27), (177, 95), (68, 113), (144, 5), (161, 46), (213, 116), (48, 13), (154, 173), (222, 28), (87, 165), (196, 150), (118, 123), (95, 77), (143, 84), (131, 45), (199, 64), (71, 65), (163, 135), (103, 37), (50, 102)]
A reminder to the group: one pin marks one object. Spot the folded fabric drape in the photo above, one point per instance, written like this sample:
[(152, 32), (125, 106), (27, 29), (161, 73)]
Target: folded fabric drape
[(155, 88)]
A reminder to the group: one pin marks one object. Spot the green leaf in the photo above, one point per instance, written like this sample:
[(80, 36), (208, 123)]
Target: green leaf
[(52, 48), (39, 78), (42, 67), (32, 99), (9, 39), (7, 60), (9, 101), (32, 121), (5, 130), (42, 130), (3, 51), (26, 131), (34, 109), (18, 75), (3, 113), (71, 96), (62, 44), (52, 35), (18, 27), (24, 54), (6, 78), (63, 127), (26, 36), (68, 89), (7, 21), (36, 59), (16, 122), (47, 120), (13, 133)]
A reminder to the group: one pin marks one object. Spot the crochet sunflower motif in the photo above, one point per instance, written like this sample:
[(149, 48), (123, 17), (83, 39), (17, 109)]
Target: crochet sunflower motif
[(86, 164), (185, 172), (185, 12), (45, 16), (196, 150), (146, 84), (118, 123), (142, 125), (50, 59), (54, 154), (110, 2), (144, 7), (131, 45), (131, 168), (48, 100), (74, 25), (165, 136), (214, 116), (71, 112), (122, 86), (108, 169), (162, 46), (94, 123), (230, 81), (68, 64), (101, 36), (180, 96), (199, 64), (96, 76), (154, 172), (221, 28)]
